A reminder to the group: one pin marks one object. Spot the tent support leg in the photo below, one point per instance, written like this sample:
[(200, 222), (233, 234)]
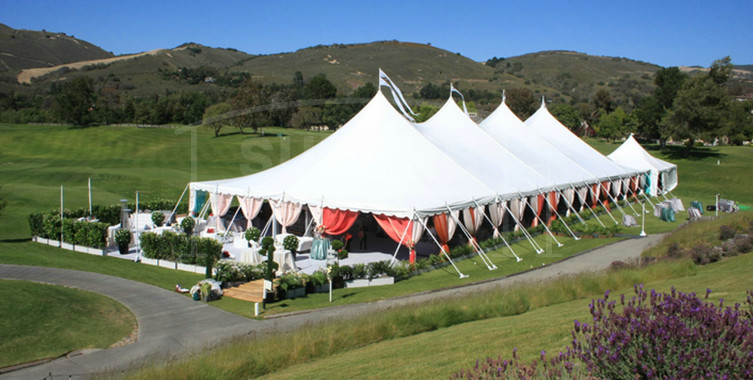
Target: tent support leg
[(500, 235), (476, 247), (402, 238), (176, 205), (570, 205), (648, 199), (551, 206), (528, 236), (536, 214), (583, 202), (593, 194), (609, 194), (442, 249)]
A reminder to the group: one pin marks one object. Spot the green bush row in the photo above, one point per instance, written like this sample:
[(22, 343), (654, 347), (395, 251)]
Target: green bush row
[(89, 234), (181, 248), (107, 214)]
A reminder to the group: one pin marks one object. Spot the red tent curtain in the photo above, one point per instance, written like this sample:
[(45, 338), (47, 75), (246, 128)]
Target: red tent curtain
[(397, 228), (554, 201), (634, 186), (338, 222), (539, 206), (440, 225), (595, 194), (605, 193)]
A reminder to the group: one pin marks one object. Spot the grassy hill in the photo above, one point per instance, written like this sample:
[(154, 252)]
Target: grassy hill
[(23, 49), (580, 75)]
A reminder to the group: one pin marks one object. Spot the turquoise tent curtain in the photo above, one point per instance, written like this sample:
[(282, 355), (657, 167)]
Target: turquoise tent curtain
[(201, 199)]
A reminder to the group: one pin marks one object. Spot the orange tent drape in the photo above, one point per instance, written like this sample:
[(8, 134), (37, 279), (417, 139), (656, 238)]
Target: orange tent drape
[(539, 206), (338, 222), (554, 201), (396, 228), (595, 194), (440, 225), (605, 193)]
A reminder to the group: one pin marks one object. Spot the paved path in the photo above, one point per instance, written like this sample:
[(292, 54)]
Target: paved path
[(171, 324)]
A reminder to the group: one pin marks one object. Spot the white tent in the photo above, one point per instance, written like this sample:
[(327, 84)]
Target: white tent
[(457, 135), (377, 162), (560, 137), (631, 154), (509, 131)]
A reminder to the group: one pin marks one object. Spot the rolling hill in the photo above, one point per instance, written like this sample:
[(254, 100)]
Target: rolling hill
[(22, 49)]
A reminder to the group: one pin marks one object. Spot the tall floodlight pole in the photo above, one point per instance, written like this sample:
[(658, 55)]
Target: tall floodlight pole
[(90, 196), (716, 206), (643, 220)]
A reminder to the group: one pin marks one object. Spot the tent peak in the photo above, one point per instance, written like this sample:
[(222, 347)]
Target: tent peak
[(543, 102), (504, 97)]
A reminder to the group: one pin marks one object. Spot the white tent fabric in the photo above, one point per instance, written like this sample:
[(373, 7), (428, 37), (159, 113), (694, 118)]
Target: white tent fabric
[(377, 162), (559, 136), (509, 131), (456, 134), (631, 154)]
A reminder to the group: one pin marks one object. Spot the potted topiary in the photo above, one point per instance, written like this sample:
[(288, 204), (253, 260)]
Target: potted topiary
[(187, 224), (158, 218), (123, 239), (252, 234), (291, 244)]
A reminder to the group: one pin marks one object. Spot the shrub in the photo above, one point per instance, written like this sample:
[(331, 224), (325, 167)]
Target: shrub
[(675, 251), (290, 243), (359, 271), (377, 269), (743, 244), (704, 253), (253, 234), (727, 232), (666, 335), (342, 254), (123, 237), (36, 224), (187, 225), (461, 250), (158, 218), (337, 244)]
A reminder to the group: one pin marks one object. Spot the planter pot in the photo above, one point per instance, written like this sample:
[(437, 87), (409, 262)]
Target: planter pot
[(53, 243), (323, 288), (67, 246), (373, 282), (80, 248), (123, 249), (297, 292)]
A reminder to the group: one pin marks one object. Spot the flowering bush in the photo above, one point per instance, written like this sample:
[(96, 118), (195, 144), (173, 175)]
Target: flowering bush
[(666, 335), (652, 335), (727, 232)]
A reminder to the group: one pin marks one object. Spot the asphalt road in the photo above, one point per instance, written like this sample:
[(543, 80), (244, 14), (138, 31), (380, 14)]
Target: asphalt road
[(172, 325)]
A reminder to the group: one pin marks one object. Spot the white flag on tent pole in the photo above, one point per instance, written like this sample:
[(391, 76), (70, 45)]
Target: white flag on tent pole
[(384, 80), (455, 90)]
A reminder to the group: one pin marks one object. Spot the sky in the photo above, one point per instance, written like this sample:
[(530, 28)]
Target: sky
[(667, 33)]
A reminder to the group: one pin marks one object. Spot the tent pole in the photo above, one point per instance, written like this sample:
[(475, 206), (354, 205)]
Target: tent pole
[(593, 194), (609, 194), (625, 198), (402, 238), (176, 205), (442, 249), (583, 202), (536, 214), (570, 205), (266, 227), (90, 197), (648, 199), (476, 247), (518, 259), (528, 236), (230, 227), (559, 216)]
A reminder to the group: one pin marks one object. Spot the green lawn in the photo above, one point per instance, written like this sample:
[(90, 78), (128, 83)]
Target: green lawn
[(39, 321), (36, 160)]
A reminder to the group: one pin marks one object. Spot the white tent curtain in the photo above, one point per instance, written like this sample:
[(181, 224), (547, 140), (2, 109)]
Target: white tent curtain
[(517, 206), (497, 213), (316, 214), (616, 188), (418, 230), (582, 196), (220, 205), (250, 207), (472, 219), (625, 186), (286, 213), (569, 195)]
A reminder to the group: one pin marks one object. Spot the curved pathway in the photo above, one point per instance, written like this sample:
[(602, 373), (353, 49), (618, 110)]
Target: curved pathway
[(171, 324)]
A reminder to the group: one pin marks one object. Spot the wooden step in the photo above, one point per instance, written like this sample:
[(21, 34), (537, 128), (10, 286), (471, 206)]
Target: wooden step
[(252, 291)]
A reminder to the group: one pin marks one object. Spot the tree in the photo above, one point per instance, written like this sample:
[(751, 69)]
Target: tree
[(567, 115), (700, 110), (213, 116), (319, 87), (740, 124), (668, 81), (521, 102), (75, 102), (250, 98), (602, 100), (614, 124), (652, 109)]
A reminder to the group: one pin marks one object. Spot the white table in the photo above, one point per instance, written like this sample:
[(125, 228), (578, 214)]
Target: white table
[(250, 256), (284, 259)]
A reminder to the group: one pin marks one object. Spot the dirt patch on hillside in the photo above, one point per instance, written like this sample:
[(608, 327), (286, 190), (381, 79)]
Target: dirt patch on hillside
[(27, 75)]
